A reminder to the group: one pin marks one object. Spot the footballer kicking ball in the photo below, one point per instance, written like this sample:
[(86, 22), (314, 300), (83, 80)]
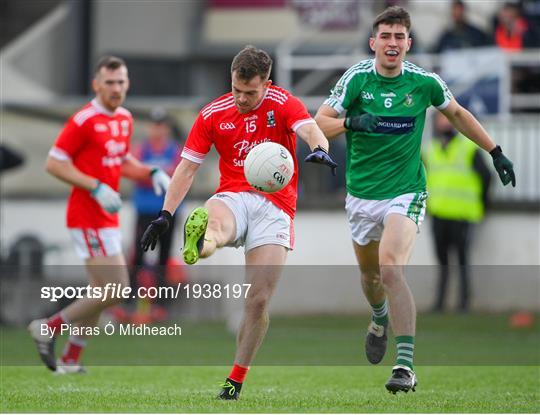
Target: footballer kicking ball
[(268, 167)]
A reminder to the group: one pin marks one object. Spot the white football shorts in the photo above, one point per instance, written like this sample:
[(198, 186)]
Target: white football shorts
[(91, 243), (367, 217), (258, 221)]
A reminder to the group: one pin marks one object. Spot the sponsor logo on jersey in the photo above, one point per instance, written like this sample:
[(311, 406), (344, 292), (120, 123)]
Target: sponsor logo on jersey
[(367, 95), (270, 120), (100, 128), (251, 117), (115, 153), (408, 100), (227, 126), (244, 147), (395, 125), (388, 95), (401, 205)]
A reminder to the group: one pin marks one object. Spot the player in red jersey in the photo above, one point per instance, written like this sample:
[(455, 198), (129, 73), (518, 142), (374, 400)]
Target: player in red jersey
[(91, 154), (254, 112)]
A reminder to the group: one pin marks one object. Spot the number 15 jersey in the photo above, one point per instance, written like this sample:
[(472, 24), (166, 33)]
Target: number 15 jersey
[(275, 119)]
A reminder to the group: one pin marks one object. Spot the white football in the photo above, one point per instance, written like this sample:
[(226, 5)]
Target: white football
[(268, 167)]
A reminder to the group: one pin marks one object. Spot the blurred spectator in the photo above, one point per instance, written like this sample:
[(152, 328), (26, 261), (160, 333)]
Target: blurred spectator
[(160, 150), (461, 34), (531, 12), (457, 182), (9, 158), (512, 32)]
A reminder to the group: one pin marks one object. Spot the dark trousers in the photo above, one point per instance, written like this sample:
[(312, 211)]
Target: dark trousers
[(164, 243), (452, 235)]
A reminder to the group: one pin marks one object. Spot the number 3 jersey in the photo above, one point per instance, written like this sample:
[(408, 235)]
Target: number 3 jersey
[(386, 163), (97, 143), (276, 119)]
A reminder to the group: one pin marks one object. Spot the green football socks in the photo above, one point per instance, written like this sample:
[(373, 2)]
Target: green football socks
[(405, 351), (380, 313)]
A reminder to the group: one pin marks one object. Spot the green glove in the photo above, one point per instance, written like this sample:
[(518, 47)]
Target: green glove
[(504, 166), (366, 123)]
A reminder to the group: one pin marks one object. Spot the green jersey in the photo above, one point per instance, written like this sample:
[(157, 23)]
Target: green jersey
[(386, 163)]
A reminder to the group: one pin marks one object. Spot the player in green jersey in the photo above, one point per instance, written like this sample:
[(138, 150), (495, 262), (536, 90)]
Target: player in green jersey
[(385, 100)]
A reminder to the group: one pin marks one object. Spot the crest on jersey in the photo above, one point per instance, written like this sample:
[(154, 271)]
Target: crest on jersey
[(337, 91), (270, 120), (408, 100)]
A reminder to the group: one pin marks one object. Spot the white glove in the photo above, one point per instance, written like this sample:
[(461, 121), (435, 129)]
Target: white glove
[(160, 181), (107, 198)]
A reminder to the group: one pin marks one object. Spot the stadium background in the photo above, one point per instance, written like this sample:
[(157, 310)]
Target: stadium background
[(178, 54)]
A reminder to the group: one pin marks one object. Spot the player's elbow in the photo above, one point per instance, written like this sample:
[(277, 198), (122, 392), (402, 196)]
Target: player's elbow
[(50, 166), (53, 166)]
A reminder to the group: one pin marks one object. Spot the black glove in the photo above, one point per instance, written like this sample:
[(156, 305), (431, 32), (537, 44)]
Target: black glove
[(504, 166), (366, 123), (320, 156), (156, 228)]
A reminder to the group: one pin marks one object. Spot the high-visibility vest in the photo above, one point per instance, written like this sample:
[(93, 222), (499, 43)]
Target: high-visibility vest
[(455, 188)]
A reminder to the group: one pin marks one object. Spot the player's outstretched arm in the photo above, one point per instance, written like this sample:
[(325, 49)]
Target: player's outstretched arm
[(328, 121), (318, 144), (180, 184), (332, 126), (471, 128)]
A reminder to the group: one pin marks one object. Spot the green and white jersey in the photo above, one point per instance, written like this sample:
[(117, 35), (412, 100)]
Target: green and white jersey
[(386, 163)]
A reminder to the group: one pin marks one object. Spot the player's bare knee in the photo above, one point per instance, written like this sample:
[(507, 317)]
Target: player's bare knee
[(391, 275), (257, 304), (371, 278), (215, 231)]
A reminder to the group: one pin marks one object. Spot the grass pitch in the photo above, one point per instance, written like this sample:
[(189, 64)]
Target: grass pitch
[(307, 364), (270, 389)]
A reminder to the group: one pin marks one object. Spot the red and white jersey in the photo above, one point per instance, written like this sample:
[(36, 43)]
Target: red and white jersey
[(275, 119), (97, 142)]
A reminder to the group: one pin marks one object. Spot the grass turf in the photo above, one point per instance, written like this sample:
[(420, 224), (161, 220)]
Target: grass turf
[(270, 389)]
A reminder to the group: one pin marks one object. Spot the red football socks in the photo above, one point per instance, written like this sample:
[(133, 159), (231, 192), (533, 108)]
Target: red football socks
[(55, 322), (238, 373), (73, 349)]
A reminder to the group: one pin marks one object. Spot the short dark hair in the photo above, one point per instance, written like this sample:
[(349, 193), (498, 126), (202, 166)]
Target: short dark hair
[(109, 62), (250, 62), (391, 16)]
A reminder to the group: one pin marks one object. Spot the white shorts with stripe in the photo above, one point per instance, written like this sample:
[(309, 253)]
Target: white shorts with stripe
[(258, 221), (367, 217), (91, 243)]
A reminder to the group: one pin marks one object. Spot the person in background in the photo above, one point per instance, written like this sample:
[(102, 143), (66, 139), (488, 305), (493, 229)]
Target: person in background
[(461, 34), (512, 32), (91, 154), (159, 149), (457, 181)]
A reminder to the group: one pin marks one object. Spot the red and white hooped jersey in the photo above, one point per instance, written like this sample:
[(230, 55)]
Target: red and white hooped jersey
[(275, 119), (97, 142)]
